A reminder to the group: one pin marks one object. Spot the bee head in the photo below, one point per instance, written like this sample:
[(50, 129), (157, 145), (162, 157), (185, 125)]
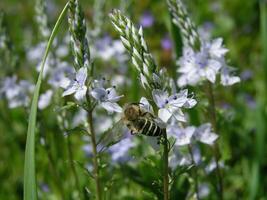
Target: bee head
[(132, 111)]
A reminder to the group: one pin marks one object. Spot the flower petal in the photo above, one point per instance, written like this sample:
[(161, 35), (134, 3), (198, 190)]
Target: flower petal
[(80, 93), (164, 114), (160, 97), (111, 107), (145, 105), (70, 90), (81, 75), (99, 93)]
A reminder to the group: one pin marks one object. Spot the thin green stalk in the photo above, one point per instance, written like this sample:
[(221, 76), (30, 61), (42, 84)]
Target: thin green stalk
[(165, 167), (70, 153), (30, 191), (261, 115), (195, 171), (216, 152), (95, 154)]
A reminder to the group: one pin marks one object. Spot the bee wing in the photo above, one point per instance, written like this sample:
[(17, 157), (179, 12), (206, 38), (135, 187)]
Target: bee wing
[(160, 123), (112, 136)]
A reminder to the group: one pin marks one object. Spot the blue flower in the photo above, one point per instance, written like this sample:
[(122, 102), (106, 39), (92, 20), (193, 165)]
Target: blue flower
[(171, 105), (77, 85), (107, 97)]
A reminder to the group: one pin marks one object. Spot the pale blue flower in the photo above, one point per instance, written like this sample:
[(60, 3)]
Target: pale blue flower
[(77, 85), (45, 99), (16, 94), (205, 135), (107, 98), (59, 75), (119, 151), (227, 78), (201, 65), (171, 105), (183, 136)]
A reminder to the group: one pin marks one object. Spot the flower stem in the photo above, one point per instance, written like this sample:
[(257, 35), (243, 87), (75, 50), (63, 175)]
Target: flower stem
[(71, 160), (95, 154), (216, 152), (195, 172), (165, 167)]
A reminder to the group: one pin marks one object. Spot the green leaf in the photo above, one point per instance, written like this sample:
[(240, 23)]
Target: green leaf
[(30, 192)]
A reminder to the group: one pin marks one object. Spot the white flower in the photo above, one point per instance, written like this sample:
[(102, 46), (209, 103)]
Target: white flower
[(183, 136), (205, 135), (77, 85), (45, 99), (107, 98), (171, 105)]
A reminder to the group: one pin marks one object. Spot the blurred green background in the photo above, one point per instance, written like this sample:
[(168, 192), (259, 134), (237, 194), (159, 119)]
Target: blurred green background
[(241, 108)]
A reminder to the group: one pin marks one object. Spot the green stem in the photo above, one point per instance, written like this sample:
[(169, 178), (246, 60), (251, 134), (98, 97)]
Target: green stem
[(95, 153), (165, 167), (216, 152), (29, 190), (195, 171), (71, 160)]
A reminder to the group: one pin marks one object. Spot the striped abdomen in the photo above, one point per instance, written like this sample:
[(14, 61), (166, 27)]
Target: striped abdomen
[(148, 127)]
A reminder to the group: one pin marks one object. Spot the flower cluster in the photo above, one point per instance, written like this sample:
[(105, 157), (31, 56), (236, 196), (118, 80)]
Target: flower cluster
[(205, 64), (17, 94), (202, 59), (184, 136)]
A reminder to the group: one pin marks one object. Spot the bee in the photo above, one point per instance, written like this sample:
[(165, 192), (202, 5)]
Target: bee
[(140, 121)]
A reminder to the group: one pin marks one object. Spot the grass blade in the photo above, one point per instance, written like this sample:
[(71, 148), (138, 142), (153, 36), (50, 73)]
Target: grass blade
[(30, 192)]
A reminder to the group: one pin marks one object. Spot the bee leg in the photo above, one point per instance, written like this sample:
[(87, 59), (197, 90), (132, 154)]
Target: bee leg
[(159, 140), (133, 132)]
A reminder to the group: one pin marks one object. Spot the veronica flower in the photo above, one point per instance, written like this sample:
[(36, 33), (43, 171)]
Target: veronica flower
[(205, 64), (58, 76), (77, 85), (171, 105), (45, 99), (17, 94), (212, 166), (147, 20), (226, 78), (166, 43), (177, 159), (205, 135), (119, 151), (183, 136), (107, 98)]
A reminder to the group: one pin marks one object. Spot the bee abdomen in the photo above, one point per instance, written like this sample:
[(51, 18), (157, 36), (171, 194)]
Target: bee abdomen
[(150, 128)]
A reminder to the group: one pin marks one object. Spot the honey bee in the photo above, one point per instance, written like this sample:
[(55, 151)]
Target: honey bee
[(140, 121)]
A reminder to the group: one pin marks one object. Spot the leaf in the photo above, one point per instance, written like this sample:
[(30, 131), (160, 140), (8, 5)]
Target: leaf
[(30, 192)]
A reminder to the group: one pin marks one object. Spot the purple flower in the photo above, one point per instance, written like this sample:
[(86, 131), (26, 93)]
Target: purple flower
[(147, 20), (166, 43)]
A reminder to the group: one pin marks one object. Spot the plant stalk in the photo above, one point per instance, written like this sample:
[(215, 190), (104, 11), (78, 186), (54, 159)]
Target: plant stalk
[(165, 167), (216, 152), (95, 154), (195, 171)]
